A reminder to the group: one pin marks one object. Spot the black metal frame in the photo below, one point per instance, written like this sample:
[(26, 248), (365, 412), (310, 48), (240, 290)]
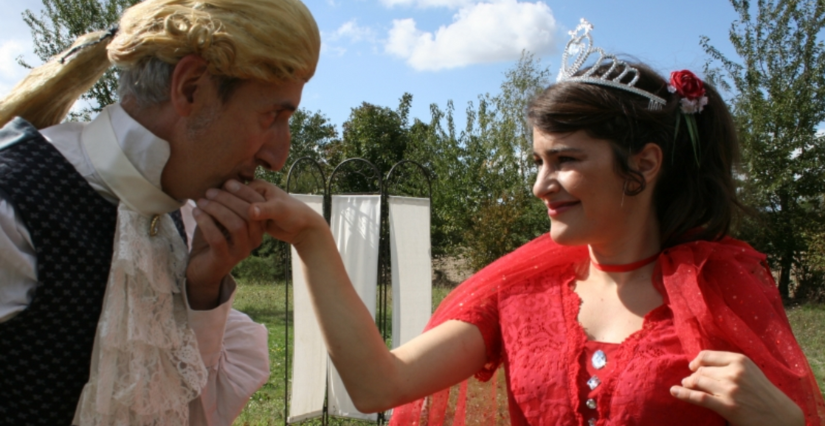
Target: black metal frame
[(421, 168), (287, 262), (385, 273), (383, 187), (376, 180)]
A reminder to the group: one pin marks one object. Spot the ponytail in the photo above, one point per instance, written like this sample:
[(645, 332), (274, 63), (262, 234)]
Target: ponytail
[(267, 40), (47, 94)]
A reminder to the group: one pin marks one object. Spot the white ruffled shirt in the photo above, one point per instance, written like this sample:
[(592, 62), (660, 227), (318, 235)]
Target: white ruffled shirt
[(234, 349)]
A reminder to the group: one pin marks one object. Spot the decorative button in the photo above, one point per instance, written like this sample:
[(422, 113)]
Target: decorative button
[(591, 422), (594, 382), (599, 360), (591, 404), (154, 226)]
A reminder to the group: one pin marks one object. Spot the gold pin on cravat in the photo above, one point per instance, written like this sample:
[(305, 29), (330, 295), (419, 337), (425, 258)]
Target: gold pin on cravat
[(154, 225)]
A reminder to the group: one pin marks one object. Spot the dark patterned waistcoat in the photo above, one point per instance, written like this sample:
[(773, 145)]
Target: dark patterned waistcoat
[(45, 350)]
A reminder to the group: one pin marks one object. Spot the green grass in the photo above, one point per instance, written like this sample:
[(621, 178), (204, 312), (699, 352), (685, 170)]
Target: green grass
[(264, 303), (808, 323)]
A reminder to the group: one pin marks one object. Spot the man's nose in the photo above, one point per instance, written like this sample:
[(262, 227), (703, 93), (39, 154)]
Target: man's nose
[(274, 152)]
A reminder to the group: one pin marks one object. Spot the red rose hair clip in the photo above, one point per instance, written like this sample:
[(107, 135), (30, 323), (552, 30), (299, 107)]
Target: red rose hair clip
[(692, 92), (690, 88)]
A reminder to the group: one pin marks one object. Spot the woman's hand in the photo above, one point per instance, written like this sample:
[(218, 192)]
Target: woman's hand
[(734, 387), (286, 218)]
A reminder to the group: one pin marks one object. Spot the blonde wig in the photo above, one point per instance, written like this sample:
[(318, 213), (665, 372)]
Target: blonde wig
[(266, 40)]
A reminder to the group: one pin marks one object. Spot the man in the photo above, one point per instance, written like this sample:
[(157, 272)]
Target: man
[(105, 316)]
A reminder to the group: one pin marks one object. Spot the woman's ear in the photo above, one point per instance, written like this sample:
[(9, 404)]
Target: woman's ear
[(648, 161)]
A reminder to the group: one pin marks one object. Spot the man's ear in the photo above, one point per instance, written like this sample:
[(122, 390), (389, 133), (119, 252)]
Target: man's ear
[(189, 84), (648, 161)]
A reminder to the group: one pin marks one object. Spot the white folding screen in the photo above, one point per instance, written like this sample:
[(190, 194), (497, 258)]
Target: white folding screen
[(356, 227), (309, 362), (411, 267)]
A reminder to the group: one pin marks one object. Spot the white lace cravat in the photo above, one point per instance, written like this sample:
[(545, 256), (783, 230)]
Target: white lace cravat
[(146, 365)]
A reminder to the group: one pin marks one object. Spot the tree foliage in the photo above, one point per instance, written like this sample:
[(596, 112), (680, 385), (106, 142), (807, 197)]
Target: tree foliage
[(482, 175), (379, 134), (374, 133), (778, 100), (483, 206), (505, 214), (60, 23)]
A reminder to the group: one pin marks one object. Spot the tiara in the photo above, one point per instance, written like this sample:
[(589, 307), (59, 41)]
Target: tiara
[(581, 47)]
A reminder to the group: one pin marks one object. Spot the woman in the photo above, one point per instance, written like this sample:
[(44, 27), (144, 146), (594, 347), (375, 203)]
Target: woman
[(636, 309)]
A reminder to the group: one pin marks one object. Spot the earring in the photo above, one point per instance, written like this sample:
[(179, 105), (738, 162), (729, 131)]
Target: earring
[(624, 191)]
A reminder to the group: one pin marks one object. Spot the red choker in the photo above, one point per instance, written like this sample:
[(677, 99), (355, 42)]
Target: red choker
[(627, 267)]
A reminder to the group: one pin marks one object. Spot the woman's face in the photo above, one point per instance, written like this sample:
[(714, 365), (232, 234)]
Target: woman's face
[(582, 191)]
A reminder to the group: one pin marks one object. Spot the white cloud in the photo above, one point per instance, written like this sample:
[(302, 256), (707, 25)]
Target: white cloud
[(480, 33), (327, 49), (424, 4), (10, 71), (349, 32)]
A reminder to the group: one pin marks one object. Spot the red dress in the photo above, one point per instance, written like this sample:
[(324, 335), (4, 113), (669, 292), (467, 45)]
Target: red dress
[(718, 296)]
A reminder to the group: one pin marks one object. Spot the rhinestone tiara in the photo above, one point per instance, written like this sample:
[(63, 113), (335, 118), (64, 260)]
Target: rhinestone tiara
[(619, 75)]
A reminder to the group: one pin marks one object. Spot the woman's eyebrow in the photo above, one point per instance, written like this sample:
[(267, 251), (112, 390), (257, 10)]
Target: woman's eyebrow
[(555, 151)]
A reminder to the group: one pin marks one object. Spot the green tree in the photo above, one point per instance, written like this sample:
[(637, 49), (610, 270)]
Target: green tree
[(483, 206), (61, 23), (436, 146), (778, 100), (378, 134), (499, 172)]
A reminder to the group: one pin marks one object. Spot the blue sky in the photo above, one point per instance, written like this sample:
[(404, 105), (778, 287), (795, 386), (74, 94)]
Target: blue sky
[(439, 50)]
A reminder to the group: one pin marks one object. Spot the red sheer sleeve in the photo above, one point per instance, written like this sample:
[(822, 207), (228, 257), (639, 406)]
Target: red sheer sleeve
[(724, 298), (476, 302)]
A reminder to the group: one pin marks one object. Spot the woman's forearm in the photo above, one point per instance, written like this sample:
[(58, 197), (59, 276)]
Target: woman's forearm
[(355, 346), (376, 378)]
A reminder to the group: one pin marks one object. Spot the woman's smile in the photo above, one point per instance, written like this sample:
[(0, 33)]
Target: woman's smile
[(556, 208)]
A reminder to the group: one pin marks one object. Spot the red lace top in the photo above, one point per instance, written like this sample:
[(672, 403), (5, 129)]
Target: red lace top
[(718, 296)]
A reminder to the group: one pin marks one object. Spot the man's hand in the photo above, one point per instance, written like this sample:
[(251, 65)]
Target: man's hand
[(225, 236), (734, 387)]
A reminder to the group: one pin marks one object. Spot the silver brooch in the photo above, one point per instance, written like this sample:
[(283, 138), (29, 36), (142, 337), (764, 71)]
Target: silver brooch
[(599, 360)]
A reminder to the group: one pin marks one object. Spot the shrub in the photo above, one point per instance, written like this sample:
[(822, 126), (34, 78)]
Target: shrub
[(259, 269)]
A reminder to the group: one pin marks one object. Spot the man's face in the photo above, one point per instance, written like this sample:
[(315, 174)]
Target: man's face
[(229, 140)]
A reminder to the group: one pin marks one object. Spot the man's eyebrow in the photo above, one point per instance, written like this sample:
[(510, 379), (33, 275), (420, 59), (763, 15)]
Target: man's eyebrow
[(286, 105)]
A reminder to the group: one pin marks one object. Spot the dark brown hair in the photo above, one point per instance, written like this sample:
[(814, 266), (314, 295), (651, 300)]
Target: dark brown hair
[(700, 198)]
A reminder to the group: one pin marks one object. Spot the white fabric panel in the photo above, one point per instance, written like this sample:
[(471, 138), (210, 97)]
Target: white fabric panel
[(356, 226), (309, 362), (411, 267)]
